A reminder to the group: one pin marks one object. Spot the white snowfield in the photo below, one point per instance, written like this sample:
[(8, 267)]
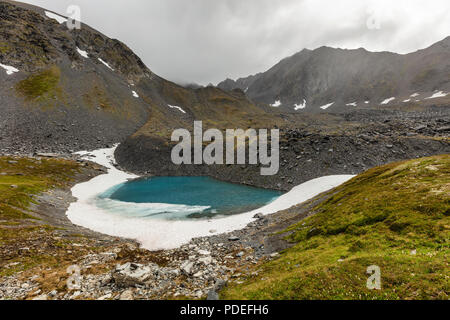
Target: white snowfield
[(353, 104), (82, 53), (135, 94), (325, 107), (438, 94), (300, 105), (58, 18), (276, 104), (156, 234), (176, 107), (388, 100), (106, 64), (9, 70)]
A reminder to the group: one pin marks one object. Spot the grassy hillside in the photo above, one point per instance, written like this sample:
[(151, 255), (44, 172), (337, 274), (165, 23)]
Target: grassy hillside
[(395, 216), (25, 241)]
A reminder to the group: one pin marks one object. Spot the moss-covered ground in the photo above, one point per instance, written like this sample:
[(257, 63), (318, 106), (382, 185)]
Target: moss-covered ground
[(395, 217)]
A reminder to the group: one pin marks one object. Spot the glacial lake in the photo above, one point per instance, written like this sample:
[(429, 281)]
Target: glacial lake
[(180, 198)]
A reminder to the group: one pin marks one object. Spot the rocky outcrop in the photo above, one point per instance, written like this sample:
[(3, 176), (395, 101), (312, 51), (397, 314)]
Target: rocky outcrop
[(311, 147)]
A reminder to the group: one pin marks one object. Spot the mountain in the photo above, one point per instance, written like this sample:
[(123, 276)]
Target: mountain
[(68, 90), (338, 79), (65, 90)]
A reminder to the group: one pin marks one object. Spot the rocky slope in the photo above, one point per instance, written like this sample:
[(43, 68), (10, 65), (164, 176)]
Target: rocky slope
[(379, 217), (78, 89), (351, 79), (81, 90), (59, 100), (310, 146), (39, 244)]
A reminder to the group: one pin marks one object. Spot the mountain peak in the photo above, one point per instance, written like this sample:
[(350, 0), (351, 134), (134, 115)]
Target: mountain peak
[(337, 78)]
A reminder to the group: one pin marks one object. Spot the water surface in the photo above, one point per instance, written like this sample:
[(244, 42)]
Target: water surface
[(176, 198)]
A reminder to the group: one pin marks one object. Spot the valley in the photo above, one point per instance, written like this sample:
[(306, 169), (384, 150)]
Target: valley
[(363, 173)]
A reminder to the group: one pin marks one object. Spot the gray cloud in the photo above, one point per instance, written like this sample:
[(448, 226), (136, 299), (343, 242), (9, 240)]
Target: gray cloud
[(209, 40)]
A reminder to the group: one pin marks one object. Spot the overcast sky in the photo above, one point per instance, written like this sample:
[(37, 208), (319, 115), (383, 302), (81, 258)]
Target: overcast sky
[(206, 41)]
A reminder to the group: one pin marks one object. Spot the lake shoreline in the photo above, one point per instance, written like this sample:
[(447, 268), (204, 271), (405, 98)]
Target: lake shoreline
[(162, 234), (202, 264)]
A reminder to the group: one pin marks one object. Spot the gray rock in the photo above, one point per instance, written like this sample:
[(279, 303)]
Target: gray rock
[(132, 274), (443, 129), (258, 216), (220, 284), (212, 295), (48, 155), (127, 295), (206, 260), (187, 268)]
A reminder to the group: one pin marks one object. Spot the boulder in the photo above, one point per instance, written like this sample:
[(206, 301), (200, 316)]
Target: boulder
[(127, 295), (188, 267), (258, 216), (132, 274), (206, 260)]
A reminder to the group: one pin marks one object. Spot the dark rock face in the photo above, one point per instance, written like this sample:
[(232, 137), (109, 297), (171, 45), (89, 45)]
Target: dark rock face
[(348, 144), (327, 75)]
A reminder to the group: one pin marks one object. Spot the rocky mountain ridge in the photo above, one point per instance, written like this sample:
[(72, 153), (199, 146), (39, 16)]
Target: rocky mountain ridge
[(328, 79), (78, 89)]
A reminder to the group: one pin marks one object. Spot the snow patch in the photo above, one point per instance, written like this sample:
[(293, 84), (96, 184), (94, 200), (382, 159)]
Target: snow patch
[(366, 102), (353, 104), (147, 210), (438, 94), (176, 107), (157, 234), (135, 94), (388, 100), (276, 104), (407, 100), (414, 95), (82, 53), (9, 70), (106, 64), (58, 18), (325, 107), (300, 105)]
